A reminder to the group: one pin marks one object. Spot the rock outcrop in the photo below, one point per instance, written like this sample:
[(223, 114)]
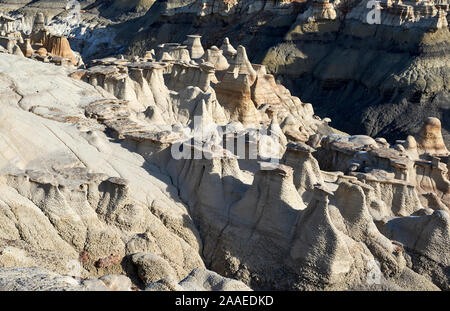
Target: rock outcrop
[(39, 44), (429, 140), (187, 168), (199, 280), (73, 195), (365, 67)]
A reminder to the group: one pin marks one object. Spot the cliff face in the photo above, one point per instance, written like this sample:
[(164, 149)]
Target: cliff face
[(367, 78)]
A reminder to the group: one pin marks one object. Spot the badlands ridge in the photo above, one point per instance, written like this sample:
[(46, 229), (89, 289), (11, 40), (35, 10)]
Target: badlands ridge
[(191, 168)]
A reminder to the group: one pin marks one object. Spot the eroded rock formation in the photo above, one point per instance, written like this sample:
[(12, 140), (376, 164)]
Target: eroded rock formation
[(363, 66), (39, 43), (188, 170)]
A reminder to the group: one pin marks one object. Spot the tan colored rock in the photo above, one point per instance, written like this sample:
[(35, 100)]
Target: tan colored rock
[(215, 57), (228, 50), (234, 93), (265, 89), (59, 46), (77, 206), (39, 32), (429, 139), (194, 46), (116, 282), (320, 10), (152, 268), (39, 22), (42, 52), (240, 65), (111, 196), (27, 49)]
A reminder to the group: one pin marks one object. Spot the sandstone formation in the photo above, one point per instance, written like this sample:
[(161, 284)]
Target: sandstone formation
[(366, 73), (195, 47), (32, 45), (88, 228), (193, 168), (429, 139), (59, 46), (199, 280)]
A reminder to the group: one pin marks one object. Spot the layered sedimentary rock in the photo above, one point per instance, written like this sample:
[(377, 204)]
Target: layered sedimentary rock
[(40, 44), (246, 93), (410, 180), (325, 52), (364, 67), (78, 225), (161, 165), (59, 46), (429, 139), (55, 45)]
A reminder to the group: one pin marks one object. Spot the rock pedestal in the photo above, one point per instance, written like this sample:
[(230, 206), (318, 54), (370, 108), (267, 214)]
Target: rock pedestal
[(194, 46)]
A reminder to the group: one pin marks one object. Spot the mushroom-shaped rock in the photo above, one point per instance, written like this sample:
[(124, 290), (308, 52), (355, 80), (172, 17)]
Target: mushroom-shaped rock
[(194, 46), (307, 172), (39, 22)]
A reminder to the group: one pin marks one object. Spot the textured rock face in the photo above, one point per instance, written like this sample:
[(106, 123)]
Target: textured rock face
[(429, 139), (36, 279), (188, 168), (199, 280), (55, 45), (74, 199), (38, 43), (366, 76), (412, 76), (59, 46), (430, 247), (195, 47)]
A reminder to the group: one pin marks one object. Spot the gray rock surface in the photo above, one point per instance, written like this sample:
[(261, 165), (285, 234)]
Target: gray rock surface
[(199, 280)]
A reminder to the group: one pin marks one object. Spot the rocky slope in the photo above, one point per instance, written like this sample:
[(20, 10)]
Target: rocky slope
[(70, 193), (144, 172)]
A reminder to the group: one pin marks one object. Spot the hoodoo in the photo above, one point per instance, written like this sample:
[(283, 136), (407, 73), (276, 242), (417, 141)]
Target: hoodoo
[(429, 139), (165, 163)]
